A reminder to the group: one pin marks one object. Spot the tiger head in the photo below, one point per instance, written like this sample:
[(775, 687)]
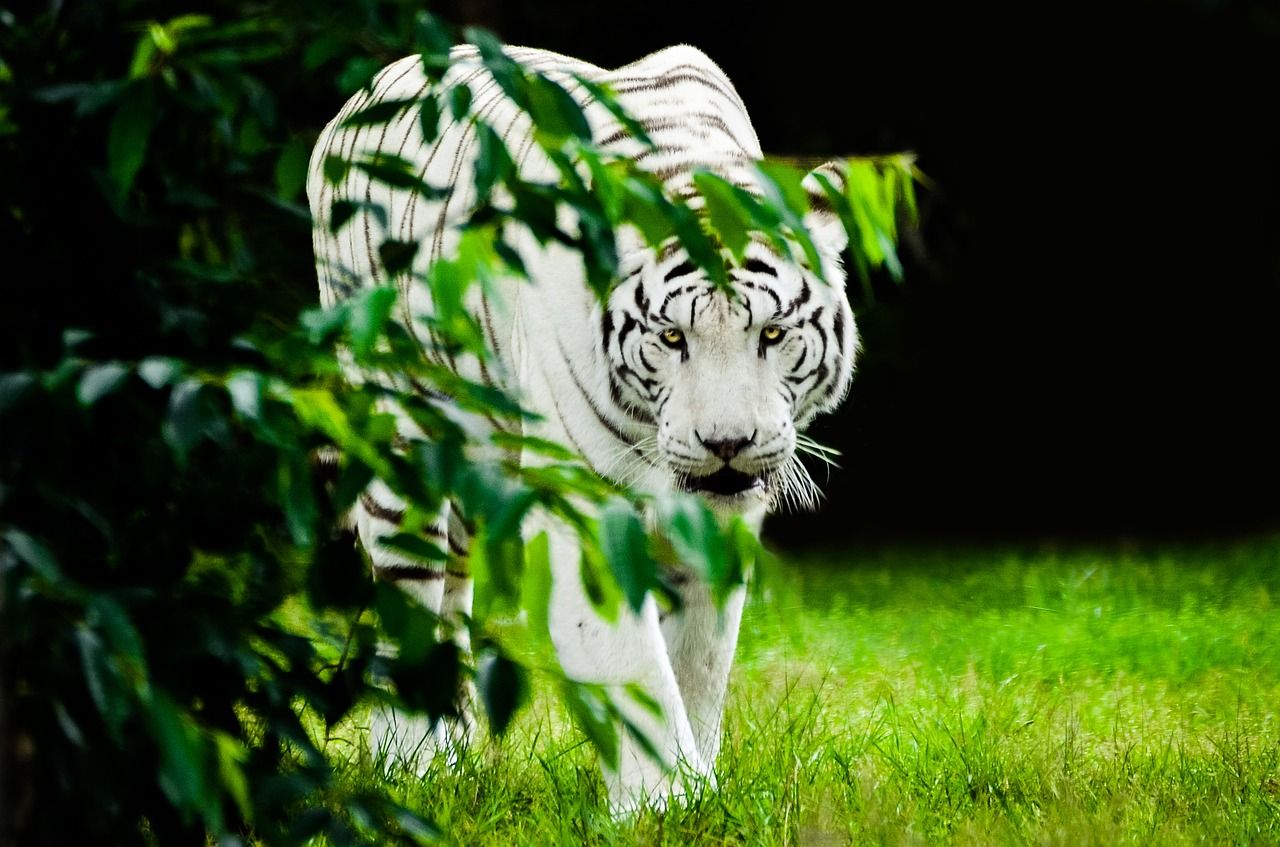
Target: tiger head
[(728, 379)]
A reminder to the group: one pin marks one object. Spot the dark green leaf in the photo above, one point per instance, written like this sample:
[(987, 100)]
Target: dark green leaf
[(291, 168), (397, 173), (343, 211), (298, 500), (101, 679), (503, 687), (384, 111), (397, 256), (181, 757), (429, 118), (335, 168), (13, 387), (590, 709), (433, 41), (35, 554), (493, 163), (459, 102), (189, 417), (135, 118)]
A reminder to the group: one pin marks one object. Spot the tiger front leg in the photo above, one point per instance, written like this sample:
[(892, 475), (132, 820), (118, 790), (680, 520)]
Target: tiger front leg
[(702, 638), (630, 651)]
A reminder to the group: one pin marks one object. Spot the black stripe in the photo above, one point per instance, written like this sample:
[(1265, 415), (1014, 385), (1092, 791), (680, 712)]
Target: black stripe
[(379, 511), (670, 80), (407, 573), (676, 292), (764, 289), (759, 267), (685, 267), (609, 425)]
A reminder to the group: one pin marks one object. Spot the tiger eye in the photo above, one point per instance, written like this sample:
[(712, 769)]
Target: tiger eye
[(772, 333), (674, 337)]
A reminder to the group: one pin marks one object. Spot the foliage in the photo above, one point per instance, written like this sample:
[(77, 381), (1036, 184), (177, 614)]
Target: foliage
[(166, 386)]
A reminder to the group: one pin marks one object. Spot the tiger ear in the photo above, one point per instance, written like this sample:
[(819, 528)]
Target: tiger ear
[(824, 224)]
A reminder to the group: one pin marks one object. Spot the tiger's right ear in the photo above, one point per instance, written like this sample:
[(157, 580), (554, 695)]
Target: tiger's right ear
[(823, 223)]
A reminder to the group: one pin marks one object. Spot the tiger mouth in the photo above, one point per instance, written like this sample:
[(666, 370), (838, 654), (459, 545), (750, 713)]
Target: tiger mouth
[(725, 482)]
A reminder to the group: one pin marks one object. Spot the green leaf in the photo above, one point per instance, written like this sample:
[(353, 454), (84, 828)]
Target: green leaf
[(359, 72), (397, 256), (506, 72), (131, 128), (589, 706), (535, 588), (429, 118), (726, 211), (626, 549), (105, 613), (101, 679), (700, 248), (427, 680), (397, 173), (503, 686), (459, 102), (414, 546), (335, 168), (189, 418), (35, 554), (181, 773), (297, 499), (554, 111), (343, 211), (605, 96), (787, 186), (291, 169), (384, 111), (324, 49), (232, 756), (369, 314), (493, 163), (246, 390), (98, 381), (159, 371), (13, 387), (433, 41)]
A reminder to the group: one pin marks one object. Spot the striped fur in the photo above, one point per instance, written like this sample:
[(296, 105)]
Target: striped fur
[(669, 385)]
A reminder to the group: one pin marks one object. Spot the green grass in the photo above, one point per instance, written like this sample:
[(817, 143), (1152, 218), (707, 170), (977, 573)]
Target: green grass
[(936, 697)]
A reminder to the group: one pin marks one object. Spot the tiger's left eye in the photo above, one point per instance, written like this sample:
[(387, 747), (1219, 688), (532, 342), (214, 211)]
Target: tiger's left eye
[(772, 333)]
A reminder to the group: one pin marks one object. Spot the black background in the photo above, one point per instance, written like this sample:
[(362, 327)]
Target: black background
[(1085, 344)]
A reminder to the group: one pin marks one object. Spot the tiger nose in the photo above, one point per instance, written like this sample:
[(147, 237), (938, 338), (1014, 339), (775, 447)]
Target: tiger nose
[(726, 448)]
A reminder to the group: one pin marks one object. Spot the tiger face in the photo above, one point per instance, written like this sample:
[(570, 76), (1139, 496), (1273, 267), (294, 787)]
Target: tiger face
[(727, 379)]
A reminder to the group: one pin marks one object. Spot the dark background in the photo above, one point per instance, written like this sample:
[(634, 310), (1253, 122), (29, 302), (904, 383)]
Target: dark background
[(1085, 344)]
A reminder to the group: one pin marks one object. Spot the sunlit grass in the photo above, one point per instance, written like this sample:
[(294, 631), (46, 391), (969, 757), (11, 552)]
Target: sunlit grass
[(921, 697)]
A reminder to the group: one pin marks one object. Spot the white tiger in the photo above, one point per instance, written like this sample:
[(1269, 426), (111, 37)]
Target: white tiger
[(671, 385)]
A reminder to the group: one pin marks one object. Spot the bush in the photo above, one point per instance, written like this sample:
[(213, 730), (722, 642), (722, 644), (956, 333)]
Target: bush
[(165, 385)]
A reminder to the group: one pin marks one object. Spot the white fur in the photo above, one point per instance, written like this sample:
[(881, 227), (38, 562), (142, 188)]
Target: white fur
[(559, 354)]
